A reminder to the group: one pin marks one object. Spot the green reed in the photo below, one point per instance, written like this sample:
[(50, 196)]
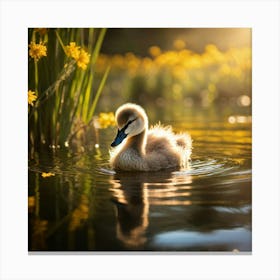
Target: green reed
[(65, 82)]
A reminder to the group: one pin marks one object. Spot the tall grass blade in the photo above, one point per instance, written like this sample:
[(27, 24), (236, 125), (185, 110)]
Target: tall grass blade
[(98, 93)]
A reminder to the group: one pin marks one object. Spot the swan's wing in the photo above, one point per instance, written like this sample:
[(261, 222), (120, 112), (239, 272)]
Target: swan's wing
[(160, 138)]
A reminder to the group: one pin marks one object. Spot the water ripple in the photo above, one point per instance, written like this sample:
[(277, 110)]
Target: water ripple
[(206, 168)]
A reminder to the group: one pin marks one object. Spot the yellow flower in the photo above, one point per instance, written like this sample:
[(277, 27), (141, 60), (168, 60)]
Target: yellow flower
[(106, 119), (155, 51), (31, 97), (179, 44), (36, 51), (72, 50), (83, 59), (80, 55), (47, 174)]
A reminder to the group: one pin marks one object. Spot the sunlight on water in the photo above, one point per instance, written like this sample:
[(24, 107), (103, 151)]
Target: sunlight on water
[(106, 171)]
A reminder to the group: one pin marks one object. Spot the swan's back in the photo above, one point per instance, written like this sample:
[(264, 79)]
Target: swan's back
[(165, 149)]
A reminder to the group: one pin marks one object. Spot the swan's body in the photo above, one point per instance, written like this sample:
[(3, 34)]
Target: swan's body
[(146, 149)]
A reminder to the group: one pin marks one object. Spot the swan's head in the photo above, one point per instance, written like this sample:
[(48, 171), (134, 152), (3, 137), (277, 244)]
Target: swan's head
[(131, 120)]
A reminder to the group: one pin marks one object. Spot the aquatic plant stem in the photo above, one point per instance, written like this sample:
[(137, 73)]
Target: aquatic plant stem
[(60, 41), (98, 45), (100, 88), (36, 75)]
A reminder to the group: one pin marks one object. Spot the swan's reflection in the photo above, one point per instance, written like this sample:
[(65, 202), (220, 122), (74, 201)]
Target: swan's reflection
[(133, 193), (132, 208)]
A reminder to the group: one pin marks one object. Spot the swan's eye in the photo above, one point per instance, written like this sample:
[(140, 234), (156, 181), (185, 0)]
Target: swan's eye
[(128, 123)]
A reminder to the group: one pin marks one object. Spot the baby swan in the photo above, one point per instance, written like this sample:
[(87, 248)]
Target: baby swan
[(146, 149)]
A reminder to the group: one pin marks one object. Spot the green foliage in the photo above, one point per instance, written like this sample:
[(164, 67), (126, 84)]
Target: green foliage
[(64, 81)]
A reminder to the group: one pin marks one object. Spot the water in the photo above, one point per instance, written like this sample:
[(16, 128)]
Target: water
[(86, 206)]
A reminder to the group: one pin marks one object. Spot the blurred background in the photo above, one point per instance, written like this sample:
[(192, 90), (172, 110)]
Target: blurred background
[(183, 68)]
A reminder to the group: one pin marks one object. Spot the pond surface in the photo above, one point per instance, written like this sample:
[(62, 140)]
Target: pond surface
[(86, 206)]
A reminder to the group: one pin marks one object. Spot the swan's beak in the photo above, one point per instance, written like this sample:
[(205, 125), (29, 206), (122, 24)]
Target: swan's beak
[(119, 138)]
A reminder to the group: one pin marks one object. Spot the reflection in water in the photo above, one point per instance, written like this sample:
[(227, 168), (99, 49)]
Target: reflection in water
[(80, 214), (133, 193), (132, 208)]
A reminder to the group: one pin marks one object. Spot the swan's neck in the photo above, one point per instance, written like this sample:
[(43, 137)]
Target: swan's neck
[(138, 142)]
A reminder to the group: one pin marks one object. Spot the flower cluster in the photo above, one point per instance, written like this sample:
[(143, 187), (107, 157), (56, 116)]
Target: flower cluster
[(106, 119), (72, 50), (80, 55), (37, 51), (31, 97)]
